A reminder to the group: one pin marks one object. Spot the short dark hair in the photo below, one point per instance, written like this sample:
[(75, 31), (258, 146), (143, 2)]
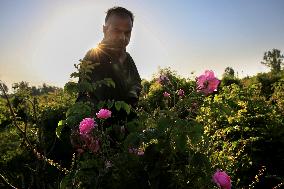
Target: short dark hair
[(119, 11)]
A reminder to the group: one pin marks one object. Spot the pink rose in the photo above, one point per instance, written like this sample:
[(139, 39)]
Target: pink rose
[(166, 94), (136, 151), (140, 152), (222, 180), (94, 145), (87, 125), (207, 82), (90, 143), (180, 92), (163, 79), (103, 114), (80, 151), (132, 150)]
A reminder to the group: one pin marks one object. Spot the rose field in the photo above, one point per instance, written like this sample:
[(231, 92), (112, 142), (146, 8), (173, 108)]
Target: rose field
[(200, 132)]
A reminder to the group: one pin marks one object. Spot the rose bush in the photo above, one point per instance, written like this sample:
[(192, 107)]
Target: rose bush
[(174, 142)]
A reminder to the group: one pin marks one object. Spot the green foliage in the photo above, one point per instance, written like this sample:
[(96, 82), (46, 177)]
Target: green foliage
[(38, 117), (154, 98), (145, 87), (267, 81), (84, 69), (241, 125), (4, 114), (122, 105), (229, 77), (173, 156), (175, 142), (226, 81), (161, 148), (278, 95)]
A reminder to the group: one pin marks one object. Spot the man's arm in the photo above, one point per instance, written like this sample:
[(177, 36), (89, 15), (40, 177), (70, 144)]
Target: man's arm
[(135, 87)]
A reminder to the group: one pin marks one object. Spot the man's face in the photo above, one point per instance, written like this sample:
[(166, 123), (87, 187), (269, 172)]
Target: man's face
[(117, 31)]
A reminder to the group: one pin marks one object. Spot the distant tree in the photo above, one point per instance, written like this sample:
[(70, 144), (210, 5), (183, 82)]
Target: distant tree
[(273, 59), (45, 89), (229, 77), (21, 86), (229, 72), (33, 90)]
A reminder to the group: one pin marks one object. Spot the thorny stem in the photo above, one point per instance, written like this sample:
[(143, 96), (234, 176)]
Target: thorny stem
[(7, 182)]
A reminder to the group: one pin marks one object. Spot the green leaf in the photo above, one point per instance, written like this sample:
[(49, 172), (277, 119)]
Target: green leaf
[(117, 105), (164, 123), (126, 107), (59, 128), (77, 112), (132, 126), (132, 139), (195, 132), (181, 142), (85, 86), (110, 103)]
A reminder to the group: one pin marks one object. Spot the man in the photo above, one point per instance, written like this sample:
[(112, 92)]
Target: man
[(114, 61)]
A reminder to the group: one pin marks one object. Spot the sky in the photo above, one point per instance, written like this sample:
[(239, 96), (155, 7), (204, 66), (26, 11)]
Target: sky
[(40, 41)]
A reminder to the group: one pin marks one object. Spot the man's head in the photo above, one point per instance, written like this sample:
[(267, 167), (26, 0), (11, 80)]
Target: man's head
[(118, 27)]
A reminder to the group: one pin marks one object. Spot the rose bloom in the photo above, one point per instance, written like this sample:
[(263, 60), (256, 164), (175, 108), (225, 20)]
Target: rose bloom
[(80, 151), (136, 151), (166, 94), (163, 79), (140, 152), (132, 150), (181, 92), (87, 125), (91, 143), (103, 114), (94, 145), (222, 180), (207, 82)]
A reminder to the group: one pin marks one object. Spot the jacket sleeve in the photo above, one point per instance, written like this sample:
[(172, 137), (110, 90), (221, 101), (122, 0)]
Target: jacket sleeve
[(135, 87)]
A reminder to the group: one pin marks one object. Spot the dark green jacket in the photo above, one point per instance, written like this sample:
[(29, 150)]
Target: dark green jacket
[(125, 76)]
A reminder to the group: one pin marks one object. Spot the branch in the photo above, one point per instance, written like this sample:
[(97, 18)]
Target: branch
[(14, 117), (7, 182)]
